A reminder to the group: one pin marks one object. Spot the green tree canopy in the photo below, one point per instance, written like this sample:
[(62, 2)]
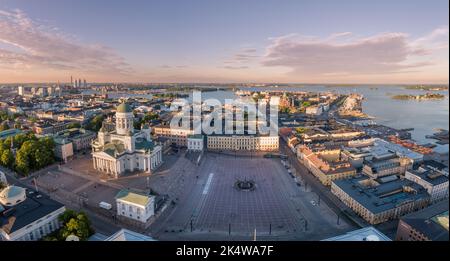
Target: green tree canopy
[(7, 158), (76, 224), (73, 125), (4, 126), (96, 123)]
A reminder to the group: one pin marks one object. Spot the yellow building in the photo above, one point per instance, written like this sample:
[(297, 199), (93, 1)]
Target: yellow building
[(177, 136), (326, 166)]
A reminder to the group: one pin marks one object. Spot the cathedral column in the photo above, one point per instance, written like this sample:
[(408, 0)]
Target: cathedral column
[(145, 165), (149, 162)]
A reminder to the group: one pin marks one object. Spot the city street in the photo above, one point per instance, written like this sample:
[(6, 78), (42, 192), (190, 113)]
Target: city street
[(318, 188)]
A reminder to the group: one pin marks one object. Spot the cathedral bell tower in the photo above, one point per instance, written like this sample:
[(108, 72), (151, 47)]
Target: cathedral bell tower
[(124, 119)]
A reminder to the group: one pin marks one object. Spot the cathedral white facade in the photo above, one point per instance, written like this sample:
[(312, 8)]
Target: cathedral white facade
[(125, 149)]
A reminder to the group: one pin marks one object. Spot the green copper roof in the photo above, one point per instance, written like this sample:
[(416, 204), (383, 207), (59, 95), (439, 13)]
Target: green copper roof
[(124, 108), (132, 197), (114, 148), (143, 144)]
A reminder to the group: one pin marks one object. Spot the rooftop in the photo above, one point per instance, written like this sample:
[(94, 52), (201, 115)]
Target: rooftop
[(196, 136), (431, 176), (74, 133), (143, 144), (133, 197), (35, 206), (377, 197), (128, 235), (385, 146), (124, 108), (114, 148), (363, 234), (431, 221)]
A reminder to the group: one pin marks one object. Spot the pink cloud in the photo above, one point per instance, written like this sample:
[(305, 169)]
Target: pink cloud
[(36, 45), (385, 53)]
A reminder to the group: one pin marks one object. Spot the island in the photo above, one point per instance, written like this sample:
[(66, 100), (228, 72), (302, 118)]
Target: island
[(427, 96), (426, 87)]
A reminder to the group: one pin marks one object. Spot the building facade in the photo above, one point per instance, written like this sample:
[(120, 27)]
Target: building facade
[(135, 206), (429, 224), (63, 149), (80, 138), (195, 142), (326, 168), (243, 142), (177, 136), (433, 181), (380, 202), (380, 167), (27, 215)]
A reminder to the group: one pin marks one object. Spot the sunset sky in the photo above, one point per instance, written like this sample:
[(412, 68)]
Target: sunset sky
[(303, 41)]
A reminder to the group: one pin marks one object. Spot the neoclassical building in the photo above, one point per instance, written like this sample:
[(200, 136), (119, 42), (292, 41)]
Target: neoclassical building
[(125, 149), (243, 142)]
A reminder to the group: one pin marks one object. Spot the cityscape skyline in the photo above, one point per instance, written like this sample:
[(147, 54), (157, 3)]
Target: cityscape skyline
[(404, 42)]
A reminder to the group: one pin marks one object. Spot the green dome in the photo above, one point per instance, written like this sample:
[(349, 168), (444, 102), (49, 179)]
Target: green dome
[(124, 108)]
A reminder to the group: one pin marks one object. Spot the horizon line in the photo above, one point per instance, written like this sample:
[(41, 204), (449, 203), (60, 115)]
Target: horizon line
[(229, 83)]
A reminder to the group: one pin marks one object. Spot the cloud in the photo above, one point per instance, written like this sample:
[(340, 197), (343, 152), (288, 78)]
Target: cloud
[(249, 50), (386, 53), (437, 39), (166, 66), (26, 44), (235, 67), (243, 56)]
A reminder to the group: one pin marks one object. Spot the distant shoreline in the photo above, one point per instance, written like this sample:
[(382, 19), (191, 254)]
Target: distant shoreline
[(428, 96)]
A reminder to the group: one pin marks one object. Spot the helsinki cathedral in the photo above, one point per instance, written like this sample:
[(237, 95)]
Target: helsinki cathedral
[(125, 149)]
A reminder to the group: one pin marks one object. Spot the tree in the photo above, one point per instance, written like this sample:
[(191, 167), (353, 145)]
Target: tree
[(300, 130), (96, 123), (76, 224), (22, 162), (20, 139), (7, 158), (306, 104), (73, 125), (17, 125), (151, 116), (44, 152), (67, 215), (3, 116), (25, 157), (4, 126)]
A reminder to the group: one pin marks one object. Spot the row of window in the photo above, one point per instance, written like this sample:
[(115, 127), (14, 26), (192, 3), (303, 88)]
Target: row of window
[(41, 231)]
